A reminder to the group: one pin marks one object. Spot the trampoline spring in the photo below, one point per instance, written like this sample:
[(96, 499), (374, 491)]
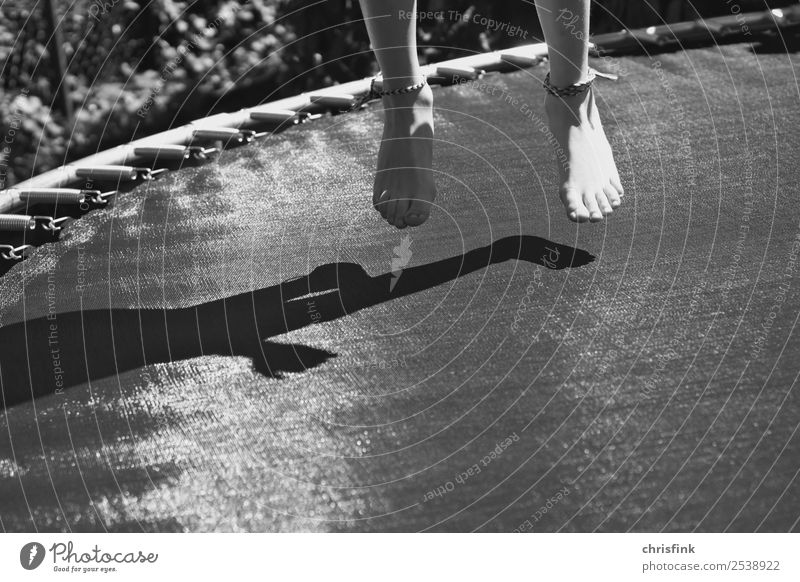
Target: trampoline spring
[(16, 222), (342, 101), (226, 134), (11, 253), (282, 116), (56, 195), (168, 152), (450, 72), (83, 198), (174, 152), (118, 173), (23, 222), (521, 61), (223, 133)]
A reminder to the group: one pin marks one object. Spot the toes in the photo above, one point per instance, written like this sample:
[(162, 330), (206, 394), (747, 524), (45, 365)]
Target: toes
[(402, 212), (579, 216), (401, 206), (576, 211), (391, 206), (415, 218), (612, 195), (603, 203), (382, 203), (418, 212), (590, 201), (395, 211), (615, 181), (379, 189), (582, 214)]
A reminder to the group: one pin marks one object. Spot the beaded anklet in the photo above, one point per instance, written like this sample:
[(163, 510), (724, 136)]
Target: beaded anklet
[(375, 94), (569, 90)]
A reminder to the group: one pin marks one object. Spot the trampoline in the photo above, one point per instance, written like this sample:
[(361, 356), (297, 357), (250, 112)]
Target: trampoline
[(245, 346)]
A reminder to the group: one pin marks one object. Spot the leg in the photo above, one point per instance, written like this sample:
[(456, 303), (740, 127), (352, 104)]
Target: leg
[(404, 186), (589, 182)]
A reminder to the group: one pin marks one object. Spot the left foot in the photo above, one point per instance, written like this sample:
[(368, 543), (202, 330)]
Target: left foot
[(404, 186)]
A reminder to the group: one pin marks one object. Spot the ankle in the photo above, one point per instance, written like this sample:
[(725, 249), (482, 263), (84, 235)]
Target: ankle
[(575, 106), (422, 97), (408, 106)]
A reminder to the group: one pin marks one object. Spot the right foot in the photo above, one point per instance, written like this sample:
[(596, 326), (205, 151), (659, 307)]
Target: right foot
[(404, 186), (590, 184)]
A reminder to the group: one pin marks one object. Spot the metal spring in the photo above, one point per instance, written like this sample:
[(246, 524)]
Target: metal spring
[(118, 173), (342, 101), (228, 134), (111, 173), (163, 152), (17, 222), (174, 152), (520, 61), (452, 72), (282, 116), (223, 133), (54, 196)]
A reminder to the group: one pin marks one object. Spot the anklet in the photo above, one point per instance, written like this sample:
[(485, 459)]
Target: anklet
[(401, 91), (375, 94), (570, 90)]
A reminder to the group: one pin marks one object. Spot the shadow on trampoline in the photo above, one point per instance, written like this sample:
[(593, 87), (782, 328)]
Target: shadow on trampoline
[(48, 354)]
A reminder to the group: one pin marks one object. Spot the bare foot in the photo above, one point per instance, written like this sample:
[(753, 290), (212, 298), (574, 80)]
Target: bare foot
[(590, 185), (404, 186)]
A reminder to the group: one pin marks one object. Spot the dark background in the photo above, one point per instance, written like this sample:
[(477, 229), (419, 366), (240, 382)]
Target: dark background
[(123, 54)]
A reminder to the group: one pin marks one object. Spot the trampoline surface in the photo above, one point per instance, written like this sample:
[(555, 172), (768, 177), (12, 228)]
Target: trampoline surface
[(227, 348)]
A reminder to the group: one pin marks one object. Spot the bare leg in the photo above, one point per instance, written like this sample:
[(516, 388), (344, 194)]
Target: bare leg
[(590, 187), (404, 185)]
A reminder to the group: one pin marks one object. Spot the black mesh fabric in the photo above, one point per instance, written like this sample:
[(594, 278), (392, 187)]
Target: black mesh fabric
[(235, 353)]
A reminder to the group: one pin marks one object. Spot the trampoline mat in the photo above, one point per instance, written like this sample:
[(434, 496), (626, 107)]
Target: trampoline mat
[(246, 346)]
